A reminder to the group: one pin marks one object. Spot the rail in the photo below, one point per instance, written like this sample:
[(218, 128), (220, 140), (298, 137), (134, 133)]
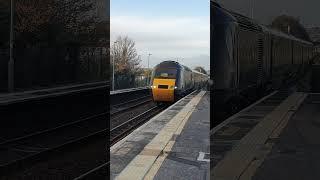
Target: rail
[(126, 127), (53, 141)]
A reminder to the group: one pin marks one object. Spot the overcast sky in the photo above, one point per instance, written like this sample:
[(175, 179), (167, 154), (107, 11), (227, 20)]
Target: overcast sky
[(266, 10), (168, 29)]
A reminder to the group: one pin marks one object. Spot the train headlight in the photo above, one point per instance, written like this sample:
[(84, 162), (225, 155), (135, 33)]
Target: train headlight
[(153, 87), (173, 87)]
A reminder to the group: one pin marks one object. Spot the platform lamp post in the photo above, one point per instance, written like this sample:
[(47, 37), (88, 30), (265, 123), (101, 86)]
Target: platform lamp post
[(141, 83), (148, 69), (11, 60), (113, 66), (252, 7)]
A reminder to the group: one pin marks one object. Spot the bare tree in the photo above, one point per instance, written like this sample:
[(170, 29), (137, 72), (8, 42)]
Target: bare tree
[(61, 20), (290, 25), (76, 15), (4, 23), (125, 56), (31, 15)]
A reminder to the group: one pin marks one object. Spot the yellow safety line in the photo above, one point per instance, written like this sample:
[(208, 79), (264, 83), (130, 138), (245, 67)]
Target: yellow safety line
[(156, 166), (143, 162)]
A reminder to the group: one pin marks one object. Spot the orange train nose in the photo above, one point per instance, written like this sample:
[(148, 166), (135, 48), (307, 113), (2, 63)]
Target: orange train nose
[(163, 90)]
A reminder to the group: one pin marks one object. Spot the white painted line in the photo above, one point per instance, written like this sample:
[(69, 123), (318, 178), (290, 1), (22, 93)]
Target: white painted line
[(201, 157)]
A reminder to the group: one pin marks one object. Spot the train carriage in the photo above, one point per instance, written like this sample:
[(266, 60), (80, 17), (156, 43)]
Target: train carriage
[(249, 59), (200, 80), (170, 81)]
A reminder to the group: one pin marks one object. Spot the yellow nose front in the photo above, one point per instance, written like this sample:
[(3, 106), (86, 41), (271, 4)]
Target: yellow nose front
[(163, 90)]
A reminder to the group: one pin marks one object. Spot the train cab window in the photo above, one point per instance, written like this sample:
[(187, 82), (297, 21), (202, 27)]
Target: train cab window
[(165, 73)]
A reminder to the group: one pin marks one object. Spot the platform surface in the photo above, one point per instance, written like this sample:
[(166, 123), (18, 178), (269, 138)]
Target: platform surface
[(276, 138), (296, 153), (173, 145), (9, 98)]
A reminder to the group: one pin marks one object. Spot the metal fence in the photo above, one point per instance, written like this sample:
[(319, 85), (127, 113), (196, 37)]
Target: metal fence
[(129, 81)]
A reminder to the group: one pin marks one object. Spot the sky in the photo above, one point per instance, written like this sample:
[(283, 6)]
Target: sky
[(168, 29), (266, 10)]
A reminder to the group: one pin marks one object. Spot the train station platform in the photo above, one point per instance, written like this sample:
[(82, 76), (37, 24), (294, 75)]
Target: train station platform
[(16, 97), (275, 138), (172, 145)]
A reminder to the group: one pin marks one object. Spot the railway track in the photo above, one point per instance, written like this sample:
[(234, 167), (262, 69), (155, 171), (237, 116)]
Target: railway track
[(31, 155), (35, 114), (128, 105), (25, 151), (121, 130), (99, 172)]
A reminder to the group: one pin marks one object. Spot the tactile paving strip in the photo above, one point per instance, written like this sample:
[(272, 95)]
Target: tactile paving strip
[(225, 138)]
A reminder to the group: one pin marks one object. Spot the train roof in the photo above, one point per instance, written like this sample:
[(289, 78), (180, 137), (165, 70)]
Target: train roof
[(221, 15), (246, 22), (251, 24), (178, 66), (284, 35), (173, 64), (169, 63), (197, 72)]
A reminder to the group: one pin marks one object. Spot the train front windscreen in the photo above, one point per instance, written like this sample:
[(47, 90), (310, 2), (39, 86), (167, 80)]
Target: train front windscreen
[(165, 73)]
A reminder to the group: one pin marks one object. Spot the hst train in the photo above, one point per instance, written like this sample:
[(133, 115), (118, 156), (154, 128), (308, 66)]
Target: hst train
[(249, 59), (170, 81)]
